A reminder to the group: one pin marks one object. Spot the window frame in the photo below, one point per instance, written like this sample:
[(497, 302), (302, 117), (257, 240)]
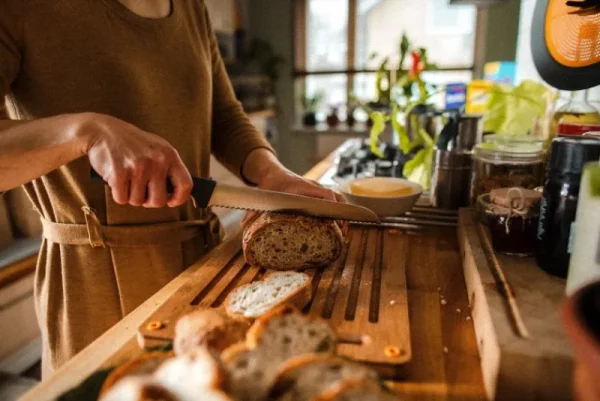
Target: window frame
[(300, 72)]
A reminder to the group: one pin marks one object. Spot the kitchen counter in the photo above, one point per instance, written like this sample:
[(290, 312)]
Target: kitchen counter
[(445, 359)]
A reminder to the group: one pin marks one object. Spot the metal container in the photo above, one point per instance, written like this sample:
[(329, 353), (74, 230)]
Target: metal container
[(470, 133), (450, 184)]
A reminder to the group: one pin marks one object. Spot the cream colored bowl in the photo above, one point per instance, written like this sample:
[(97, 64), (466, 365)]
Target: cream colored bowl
[(385, 196)]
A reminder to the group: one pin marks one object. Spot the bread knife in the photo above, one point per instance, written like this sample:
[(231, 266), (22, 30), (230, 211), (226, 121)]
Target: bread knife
[(209, 193)]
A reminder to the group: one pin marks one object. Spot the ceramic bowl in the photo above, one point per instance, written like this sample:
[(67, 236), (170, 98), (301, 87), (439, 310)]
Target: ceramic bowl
[(384, 206)]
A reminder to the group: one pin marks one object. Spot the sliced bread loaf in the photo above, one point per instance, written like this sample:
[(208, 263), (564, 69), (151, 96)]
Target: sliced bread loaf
[(308, 376), (142, 366), (207, 328), (192, 373), (271, 341), (278, 288), (284, 242), (357, 390)]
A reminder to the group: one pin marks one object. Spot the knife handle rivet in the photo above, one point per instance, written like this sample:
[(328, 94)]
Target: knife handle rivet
[(155, 325)]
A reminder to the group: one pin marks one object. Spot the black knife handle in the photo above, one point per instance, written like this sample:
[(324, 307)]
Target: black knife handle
[(202, 189)]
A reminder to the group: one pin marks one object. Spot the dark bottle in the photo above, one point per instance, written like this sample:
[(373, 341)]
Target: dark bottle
[(559, 201)]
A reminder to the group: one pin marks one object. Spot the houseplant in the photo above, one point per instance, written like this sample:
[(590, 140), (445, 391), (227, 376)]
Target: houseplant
[(310, 105)]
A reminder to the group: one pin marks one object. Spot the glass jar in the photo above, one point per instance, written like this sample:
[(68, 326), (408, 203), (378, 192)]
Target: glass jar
[(512, 224), (507, 162), (578, 110)]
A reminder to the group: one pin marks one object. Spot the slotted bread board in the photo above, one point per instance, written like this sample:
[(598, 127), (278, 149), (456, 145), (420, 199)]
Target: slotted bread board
[(363, 295)]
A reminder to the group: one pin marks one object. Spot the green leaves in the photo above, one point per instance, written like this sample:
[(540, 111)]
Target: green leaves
[(420, 168), (379, 120), (513, 111)]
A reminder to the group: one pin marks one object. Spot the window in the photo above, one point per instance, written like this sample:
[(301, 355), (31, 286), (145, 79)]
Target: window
[(335, 41)]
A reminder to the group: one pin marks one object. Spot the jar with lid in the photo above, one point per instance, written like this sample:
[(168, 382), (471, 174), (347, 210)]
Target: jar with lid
[(511, 215), (504, 162), (559, 201), (578, 110)]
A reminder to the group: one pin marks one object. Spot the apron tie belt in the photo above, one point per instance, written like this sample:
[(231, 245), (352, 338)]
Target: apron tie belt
[(96, 235)]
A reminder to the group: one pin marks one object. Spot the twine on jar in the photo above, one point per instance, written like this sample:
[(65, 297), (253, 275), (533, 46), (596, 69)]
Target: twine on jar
[(517, 207)]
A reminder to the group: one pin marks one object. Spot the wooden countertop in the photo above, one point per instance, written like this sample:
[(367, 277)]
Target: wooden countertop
[(445, 363)]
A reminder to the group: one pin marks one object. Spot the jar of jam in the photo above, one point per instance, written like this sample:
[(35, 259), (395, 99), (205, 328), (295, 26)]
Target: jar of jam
[(505, 162), (511, 215)]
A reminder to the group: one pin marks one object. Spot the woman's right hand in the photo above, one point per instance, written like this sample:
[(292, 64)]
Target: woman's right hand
[(135, 163)]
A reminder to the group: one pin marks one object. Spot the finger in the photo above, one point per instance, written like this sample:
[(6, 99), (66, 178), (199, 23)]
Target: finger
[(138, 187), (248, 218), (316, 192), (157, 192), (340, 197), (119, 185), (182, 184)]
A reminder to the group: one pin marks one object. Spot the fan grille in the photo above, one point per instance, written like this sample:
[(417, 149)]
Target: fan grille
[(573, 39)]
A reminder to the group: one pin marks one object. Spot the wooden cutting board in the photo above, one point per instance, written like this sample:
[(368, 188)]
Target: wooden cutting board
[(363, 295)]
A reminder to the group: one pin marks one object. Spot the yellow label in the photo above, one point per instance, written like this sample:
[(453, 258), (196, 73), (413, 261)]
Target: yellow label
[(477, 96)]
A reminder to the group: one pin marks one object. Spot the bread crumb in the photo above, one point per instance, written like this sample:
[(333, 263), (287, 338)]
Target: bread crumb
[(439, 289), (443, 301), (154, 325), (457, 310), (393, 231), (445, 350), (366, 339), (392, 302), (468, 318), (392, 351)]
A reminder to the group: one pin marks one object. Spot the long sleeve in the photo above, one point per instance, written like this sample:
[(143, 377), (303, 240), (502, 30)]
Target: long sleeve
[(233, 136)]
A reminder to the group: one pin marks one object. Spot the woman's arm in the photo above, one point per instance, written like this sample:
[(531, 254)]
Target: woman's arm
[(135, 163)]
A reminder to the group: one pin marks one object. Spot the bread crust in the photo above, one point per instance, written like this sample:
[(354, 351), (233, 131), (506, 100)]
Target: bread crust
[(208, 328), (255, 332), (309, 223), (133, 367), (298, 299)]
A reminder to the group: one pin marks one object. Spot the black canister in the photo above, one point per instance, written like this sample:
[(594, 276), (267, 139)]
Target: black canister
[(559, 201)]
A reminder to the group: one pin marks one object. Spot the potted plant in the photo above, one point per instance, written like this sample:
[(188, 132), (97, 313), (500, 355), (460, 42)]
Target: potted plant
[(332, 118), (311, 104)]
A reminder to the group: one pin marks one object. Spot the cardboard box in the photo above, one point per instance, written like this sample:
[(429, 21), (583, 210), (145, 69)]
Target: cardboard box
[(25, 219), (6, 231)]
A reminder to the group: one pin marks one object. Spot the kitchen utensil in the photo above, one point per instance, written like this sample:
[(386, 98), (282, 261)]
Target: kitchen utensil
[(384, 206), (363, 295), (451, 180), (209, 193), (565, 43)]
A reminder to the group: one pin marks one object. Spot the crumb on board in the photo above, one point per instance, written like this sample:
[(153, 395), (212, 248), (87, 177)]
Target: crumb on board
[(391, 351), (392, 302), (468, 318), (393, 231), (366, 339), (457, 310), (439, 289), (443, 301), (154, 325), (445, 350)]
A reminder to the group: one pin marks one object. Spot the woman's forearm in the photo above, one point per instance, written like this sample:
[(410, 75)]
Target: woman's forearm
[(30, 149)]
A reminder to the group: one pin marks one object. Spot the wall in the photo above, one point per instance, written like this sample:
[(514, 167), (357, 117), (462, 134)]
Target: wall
[(502, 30), (272, 21)]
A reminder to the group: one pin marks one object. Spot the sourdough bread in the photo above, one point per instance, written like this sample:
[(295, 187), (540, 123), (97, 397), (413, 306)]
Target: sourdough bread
[(192, 373), (142, 366), (271, 341), (278, 288), (357, 390), (207, 328), (308, 376), (284, 242)]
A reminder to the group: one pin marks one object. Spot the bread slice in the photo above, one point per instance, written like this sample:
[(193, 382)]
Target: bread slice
[(191, 374), (308, 376), (207, 328), (145, 388), (284, 242), (271, 341), (278, 288), (138, 388), (357, 390), (142, 366)]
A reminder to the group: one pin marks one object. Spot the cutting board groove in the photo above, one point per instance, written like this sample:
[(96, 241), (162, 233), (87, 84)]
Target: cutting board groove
[(362, 294)]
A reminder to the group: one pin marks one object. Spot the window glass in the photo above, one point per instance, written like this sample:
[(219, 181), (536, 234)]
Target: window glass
[(333, 87), (327, 36)]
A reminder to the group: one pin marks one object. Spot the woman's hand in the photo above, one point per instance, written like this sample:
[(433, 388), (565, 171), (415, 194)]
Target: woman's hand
[(135, 163), (263, 168)]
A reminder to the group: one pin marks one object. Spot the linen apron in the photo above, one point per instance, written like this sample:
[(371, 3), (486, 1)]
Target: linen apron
[(100, 260)]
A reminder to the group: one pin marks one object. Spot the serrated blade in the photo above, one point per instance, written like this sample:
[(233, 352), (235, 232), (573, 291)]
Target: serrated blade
[(261, 200)]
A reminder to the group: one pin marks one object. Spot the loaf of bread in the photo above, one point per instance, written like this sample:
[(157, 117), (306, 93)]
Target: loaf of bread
[(207, 328), (276, 289), (143, 366), (357, 390), (271, 341), (285, 242), (307, 377)]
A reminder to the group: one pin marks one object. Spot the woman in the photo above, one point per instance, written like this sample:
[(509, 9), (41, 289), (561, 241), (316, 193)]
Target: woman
[(137, 91)]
